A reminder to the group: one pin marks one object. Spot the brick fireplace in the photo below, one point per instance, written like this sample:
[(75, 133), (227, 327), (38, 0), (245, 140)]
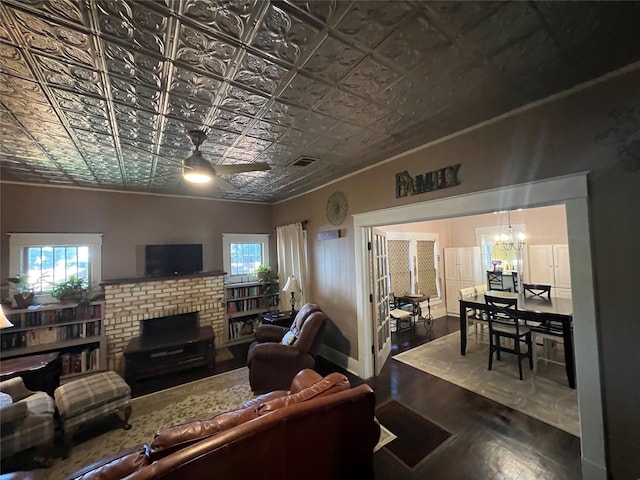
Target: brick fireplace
[(128, 302)]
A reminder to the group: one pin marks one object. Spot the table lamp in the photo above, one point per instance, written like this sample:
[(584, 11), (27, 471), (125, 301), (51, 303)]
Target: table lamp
[(292, 287), (4, 321)]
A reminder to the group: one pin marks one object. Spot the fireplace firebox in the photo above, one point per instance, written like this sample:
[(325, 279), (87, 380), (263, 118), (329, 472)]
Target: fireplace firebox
[(169, 344), (183, 325)]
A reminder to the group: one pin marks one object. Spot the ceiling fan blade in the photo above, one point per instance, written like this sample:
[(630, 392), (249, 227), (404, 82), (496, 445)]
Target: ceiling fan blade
[(223, 184), (247, 167), (151, 179)]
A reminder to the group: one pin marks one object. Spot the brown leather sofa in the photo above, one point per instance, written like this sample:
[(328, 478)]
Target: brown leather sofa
[(279, 353), (321, 429)]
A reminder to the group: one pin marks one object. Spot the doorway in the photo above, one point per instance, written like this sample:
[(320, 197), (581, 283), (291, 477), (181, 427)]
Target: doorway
[(571, 191)]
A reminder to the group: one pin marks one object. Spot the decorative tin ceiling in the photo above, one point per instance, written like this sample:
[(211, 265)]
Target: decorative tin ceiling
[(101, 93)]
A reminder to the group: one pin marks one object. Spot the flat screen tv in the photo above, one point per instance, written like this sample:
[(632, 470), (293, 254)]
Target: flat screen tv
[(175, 259)]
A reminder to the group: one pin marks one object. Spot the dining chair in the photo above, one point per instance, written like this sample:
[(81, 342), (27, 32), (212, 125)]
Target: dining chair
[(514, 277), (481, 315), (402, 318), (546, 335), (537, 290), (496, 281), (480, 288), (471, 314), (504, 323)]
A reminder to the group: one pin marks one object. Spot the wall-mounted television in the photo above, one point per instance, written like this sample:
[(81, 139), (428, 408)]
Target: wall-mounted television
[(173, 259)]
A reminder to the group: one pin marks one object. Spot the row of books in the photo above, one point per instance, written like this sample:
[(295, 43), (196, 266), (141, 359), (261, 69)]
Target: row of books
[(242, 328), (37, 318), (43, 336), (240, 292), (84, 361), (245, 305)]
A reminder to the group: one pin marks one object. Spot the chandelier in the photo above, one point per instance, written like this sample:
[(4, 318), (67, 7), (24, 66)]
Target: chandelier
[(512, 239)]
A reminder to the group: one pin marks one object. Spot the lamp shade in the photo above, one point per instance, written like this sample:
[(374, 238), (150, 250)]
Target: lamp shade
[(292, 285), (4, 321)]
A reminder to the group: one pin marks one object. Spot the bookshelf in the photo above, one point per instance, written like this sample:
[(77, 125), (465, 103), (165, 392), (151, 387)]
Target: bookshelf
[(244, 305), (73, 330)]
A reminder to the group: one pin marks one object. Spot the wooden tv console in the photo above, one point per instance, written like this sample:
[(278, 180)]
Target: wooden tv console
[(160, 354)]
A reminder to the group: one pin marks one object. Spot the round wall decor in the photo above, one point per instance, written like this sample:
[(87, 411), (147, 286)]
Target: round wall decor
[(336, 208)]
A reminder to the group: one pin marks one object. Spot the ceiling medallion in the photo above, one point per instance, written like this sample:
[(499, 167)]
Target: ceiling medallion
[(337, 208)]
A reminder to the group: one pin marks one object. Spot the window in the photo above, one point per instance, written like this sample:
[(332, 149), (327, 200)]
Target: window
[(50, 258), (416, 268), (243, 254), (486, 238)]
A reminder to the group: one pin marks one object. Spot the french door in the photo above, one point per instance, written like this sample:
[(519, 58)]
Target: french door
[(379, 288)]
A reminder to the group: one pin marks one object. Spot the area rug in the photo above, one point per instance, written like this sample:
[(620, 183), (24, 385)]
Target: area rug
[(386, 436), (417, 436), (195, 400), (544, 395), (200, 399)]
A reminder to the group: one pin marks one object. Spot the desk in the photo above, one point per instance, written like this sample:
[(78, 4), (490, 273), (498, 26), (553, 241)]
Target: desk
[(557, 312)]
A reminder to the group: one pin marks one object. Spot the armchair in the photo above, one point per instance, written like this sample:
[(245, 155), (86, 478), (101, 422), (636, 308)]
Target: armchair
[(26, 419), (279, 353)]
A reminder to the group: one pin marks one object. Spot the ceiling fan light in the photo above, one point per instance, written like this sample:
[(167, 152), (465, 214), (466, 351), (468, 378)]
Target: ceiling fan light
[(195, 177), (196, 169)]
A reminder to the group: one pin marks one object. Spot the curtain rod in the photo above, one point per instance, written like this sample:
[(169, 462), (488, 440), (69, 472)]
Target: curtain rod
[(302, 222)]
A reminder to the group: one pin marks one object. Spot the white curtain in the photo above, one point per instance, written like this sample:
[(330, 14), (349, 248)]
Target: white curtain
[(292, 260)]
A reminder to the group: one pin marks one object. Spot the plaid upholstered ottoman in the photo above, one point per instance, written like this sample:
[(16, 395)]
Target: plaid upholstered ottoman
[(89, 398)]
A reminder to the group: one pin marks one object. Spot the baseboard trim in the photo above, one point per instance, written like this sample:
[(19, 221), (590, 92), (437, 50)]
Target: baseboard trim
[(340, 359), (592, 471)]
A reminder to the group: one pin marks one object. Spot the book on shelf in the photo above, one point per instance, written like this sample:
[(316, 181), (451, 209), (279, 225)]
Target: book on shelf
[(79, 362)]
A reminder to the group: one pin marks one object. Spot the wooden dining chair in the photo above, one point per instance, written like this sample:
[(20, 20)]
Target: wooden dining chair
[(496, 281), (514, 277), (504, 323), (402, 318), (473, 318), (548, 335), (537, 290), (481, 318)]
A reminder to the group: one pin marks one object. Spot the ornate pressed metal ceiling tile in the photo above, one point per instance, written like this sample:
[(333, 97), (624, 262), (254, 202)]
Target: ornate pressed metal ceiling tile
[(102, 92)]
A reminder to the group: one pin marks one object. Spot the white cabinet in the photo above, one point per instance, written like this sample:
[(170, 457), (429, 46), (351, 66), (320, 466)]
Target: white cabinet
[(549, 265), (463, 268)]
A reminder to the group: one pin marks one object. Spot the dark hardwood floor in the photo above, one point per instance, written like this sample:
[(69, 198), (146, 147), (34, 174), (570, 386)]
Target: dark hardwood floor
[(488, 440)]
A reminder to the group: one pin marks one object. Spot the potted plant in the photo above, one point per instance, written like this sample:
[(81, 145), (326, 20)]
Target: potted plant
[(25, 294), (269, 280), (74, 289)]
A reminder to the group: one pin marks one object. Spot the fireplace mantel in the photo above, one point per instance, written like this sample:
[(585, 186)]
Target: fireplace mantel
[(120, 281)]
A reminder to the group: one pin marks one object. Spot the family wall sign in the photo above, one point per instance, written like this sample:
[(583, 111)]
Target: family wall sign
[(427, 182)]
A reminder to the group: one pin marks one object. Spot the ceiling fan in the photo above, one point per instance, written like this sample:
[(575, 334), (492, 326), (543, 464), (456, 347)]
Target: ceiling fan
[(196, 169)]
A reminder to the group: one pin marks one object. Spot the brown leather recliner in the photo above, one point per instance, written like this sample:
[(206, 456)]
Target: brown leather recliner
[(279, 353)]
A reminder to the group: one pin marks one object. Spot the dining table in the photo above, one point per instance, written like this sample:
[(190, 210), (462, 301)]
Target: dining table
[(551, 316)]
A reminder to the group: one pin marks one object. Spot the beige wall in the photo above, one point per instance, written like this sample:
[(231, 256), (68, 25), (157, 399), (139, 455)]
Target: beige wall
[(551, 140), (128, 222)]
